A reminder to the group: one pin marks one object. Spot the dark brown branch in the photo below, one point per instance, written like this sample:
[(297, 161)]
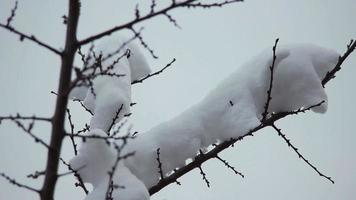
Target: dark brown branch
[(58, 132), (279, 131), (269, 91), (14, 182), (154, 74)]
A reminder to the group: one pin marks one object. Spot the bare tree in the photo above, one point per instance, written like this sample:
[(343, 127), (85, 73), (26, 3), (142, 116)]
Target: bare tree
[(92, 68)]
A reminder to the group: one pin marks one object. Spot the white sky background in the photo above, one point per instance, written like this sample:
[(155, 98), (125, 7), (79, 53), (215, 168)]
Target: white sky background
[(210, 46)]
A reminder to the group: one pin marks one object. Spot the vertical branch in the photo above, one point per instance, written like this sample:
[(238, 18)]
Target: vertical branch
[(58, 132), (71, 136), (269, 91)]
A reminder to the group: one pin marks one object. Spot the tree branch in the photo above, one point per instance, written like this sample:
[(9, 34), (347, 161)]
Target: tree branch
[(30, 38), (58, 132), (279, 131), (173, 5), (269, 121), (14, 182), (269, 91)]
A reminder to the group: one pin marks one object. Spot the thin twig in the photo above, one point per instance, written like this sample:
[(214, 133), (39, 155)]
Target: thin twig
[(269, 91), (230, 167), (76, 175), (331, 74), (71, 136), (130, 24), (295, 149), (31, 38), (14, 182), (204, 176), (160, 171), (155, 73)]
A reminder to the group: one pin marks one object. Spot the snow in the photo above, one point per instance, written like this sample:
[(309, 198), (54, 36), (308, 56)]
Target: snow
[(110, 93), (230, 110), (299, 70), (95, 159)]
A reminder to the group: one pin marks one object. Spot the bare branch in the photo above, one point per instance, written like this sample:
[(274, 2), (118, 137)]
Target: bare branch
[(109, 137), (20, 117), (153, 74), (204, 176), (71, 136), (230, 167), (36, 174), (14, 182), (160, 171), (153, 6), (269, 91), (331, 74), (279, 131), (30, 38), (143, 43), (76, 175), (85, 108), (130, 24), (172, 20), (28, 130), (211, 5), (12, 16), (115, 117)]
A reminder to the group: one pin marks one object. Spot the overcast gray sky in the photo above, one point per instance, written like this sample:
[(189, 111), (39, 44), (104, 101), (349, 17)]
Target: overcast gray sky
[(210, 46)]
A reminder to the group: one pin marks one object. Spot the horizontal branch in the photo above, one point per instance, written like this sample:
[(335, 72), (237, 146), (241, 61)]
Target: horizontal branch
[(14, 182), (20, 117), (139, 19)]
